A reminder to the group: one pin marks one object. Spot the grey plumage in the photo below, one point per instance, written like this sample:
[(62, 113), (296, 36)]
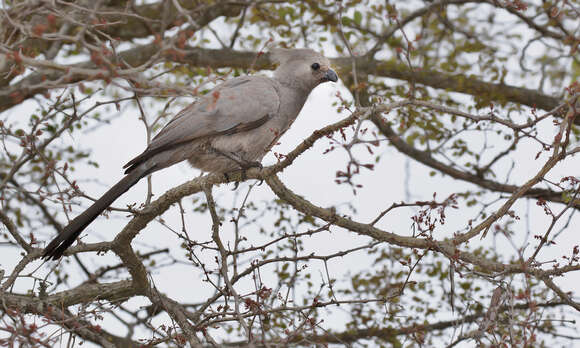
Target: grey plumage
[(230, 128)]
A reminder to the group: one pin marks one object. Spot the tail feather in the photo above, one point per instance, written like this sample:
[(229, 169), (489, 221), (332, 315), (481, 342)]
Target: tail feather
[(55, 249)]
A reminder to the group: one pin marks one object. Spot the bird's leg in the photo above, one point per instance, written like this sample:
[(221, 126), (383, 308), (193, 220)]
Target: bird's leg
[(244, 164), (251, 164), (231, 156)]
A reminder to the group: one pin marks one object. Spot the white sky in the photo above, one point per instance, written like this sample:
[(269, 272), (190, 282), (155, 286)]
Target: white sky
[(312, 176)]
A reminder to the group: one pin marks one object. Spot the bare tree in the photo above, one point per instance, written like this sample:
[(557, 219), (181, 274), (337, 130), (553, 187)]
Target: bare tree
[(479, 98)]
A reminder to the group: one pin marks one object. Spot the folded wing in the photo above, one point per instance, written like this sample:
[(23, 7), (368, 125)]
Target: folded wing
[(238, 105)]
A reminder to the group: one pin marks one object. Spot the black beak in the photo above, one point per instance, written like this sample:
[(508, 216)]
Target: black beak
[(330, 75)]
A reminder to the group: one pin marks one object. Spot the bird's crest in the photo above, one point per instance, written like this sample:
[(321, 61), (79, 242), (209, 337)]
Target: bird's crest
[(284, 55)]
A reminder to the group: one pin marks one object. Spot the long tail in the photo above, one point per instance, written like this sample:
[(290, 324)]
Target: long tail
[(69, 234)]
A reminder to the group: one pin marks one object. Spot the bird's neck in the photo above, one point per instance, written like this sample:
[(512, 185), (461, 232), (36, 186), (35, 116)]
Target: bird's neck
[(292, 102), (295, 89), (289, 80)]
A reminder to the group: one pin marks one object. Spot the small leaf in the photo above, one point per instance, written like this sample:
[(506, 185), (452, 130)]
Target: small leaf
[(357, 17)]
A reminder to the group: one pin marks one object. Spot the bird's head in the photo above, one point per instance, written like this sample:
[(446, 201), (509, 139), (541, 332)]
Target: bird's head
[(302, 68)]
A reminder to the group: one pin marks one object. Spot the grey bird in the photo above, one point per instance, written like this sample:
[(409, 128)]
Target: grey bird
[(230, 128)]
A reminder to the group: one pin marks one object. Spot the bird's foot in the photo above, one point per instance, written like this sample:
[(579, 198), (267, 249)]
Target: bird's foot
[(248, 165), (244, 166), (228, 178)]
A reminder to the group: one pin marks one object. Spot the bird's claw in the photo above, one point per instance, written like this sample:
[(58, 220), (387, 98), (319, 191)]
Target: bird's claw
[(248, 165), (244, 166)]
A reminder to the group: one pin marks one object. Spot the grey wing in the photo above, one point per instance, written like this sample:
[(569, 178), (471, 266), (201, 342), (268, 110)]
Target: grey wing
[(238, 105)]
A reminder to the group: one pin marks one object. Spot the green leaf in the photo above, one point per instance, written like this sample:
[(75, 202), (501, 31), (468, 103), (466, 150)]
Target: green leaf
[(357, 17)]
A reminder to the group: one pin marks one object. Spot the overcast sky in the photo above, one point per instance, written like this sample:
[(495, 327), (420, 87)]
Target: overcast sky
[(312, 176)]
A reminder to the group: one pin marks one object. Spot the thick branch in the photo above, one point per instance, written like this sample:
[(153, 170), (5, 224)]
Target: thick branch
[(126, 24), (86, 293), (220, 58)]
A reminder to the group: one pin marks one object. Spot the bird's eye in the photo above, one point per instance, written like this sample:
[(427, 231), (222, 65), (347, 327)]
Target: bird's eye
[(315, 66)]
